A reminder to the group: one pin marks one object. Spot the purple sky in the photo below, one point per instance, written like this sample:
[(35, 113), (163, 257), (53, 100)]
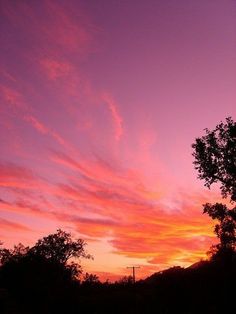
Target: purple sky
[(100, 102)]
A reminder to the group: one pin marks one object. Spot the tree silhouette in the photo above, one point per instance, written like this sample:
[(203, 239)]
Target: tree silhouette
[(215, 161), (43, 276), (33, 283), (215, 157), (126, 281), (60, 247), (90, 280), (7, 255), (46, 263)]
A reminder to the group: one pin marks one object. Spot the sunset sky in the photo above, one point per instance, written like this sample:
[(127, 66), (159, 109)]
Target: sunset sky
[(100, 101)]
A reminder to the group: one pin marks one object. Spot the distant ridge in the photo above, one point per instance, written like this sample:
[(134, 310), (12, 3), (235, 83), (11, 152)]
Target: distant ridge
[(198, 265), (175, 271)]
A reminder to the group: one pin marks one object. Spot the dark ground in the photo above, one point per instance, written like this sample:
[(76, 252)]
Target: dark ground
[(208, 287)]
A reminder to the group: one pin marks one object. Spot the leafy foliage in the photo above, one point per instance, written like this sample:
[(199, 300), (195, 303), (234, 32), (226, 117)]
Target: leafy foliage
[(215, 157), (59, 247), (215, 161), (90, 279), (226, 229), (7, 255), (53, 251)]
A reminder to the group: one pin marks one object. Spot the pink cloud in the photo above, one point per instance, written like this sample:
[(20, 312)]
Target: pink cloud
[(12, 226), (41, 128), (139, 227), (56, 69), (8, 75), (13, 97), (99, 206), (11, 171), (100, 199), (127, 194), (36, 124), (117, 120), (63, 28)]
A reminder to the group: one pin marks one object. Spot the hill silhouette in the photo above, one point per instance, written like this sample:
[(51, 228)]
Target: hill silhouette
[(33, 282)]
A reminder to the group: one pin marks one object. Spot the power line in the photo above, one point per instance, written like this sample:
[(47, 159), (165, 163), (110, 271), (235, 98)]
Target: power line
[(133, 268)]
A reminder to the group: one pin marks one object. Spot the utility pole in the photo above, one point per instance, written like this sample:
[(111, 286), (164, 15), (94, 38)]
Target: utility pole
[(133, 268)]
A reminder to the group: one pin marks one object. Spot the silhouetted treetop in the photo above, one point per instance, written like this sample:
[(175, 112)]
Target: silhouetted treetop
[(90, 279), (60, 247), (50, 256), (215, 157), (14, 254), (215, 161)]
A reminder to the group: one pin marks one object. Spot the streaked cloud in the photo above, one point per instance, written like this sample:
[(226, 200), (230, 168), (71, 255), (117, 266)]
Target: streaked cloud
[(12, 97), (117, 120), (9, 225), (96, 128), (56, 69)]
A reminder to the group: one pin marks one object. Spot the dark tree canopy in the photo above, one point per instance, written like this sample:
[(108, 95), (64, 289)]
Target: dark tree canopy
[(215, 157), (60, 247), (225, 229), (215, 161), (7, 255), (52, 253), (42, 278)]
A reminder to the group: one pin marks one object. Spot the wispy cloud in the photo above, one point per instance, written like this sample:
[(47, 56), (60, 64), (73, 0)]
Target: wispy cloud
[(12, 226), (64, 29), (9, 170), (41, 128), (117, 120), (140, 226), (97, 205), (36, 124), (55, 69), (13, 98), (85, 163)]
